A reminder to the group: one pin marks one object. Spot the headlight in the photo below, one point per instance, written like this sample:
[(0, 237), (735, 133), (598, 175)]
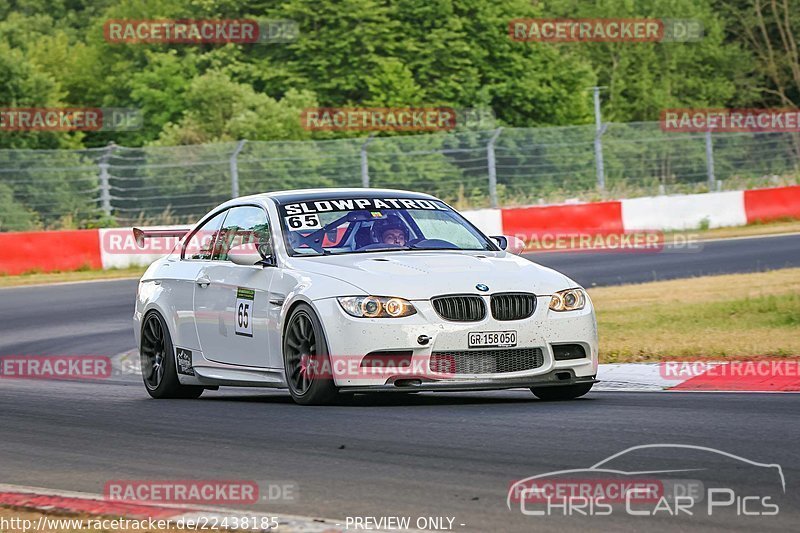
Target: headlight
[(568, 300), (376, 306)]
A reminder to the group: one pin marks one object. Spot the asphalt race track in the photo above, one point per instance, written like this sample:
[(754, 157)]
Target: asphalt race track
[(453, 455), (730, 256), (72, 319), (424, 455)]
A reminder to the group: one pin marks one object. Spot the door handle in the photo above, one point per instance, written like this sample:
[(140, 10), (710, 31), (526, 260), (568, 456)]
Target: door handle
[(203, 282)]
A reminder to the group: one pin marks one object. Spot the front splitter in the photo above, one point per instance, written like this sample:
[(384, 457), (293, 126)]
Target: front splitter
[(409, 384)]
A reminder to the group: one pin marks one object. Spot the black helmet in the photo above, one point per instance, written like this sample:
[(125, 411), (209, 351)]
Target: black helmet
[(379, 227)]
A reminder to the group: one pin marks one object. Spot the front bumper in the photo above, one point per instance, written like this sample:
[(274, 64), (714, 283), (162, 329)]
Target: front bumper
[(354, 338)]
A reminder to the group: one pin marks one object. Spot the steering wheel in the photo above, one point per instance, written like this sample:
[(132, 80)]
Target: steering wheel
[(434, 243), (379, 246)]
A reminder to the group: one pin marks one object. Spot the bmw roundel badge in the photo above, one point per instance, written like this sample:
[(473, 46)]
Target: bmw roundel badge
[(481, 287)]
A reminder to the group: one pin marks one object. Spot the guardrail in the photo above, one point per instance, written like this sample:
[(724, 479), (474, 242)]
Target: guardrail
[(118, 185)]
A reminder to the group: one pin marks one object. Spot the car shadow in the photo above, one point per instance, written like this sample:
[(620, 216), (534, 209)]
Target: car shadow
[(392, 399)]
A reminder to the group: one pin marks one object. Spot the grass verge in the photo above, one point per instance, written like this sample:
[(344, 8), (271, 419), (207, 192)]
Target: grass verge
[(38, 278), (735, 315), (755, 229)]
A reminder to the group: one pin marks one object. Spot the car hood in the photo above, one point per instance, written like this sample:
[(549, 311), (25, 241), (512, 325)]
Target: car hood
[(418, 275)]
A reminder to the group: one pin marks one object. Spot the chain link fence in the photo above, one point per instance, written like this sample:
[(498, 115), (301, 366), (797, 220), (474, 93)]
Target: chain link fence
[(117, 185)]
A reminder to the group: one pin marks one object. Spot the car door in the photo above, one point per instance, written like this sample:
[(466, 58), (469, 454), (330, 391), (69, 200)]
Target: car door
[(195, 251), (231, 301)]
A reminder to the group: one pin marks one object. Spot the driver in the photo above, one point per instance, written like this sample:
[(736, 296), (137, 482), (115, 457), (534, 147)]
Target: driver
[(390, 231)]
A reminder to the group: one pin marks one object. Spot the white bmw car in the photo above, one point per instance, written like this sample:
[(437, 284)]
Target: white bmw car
[(334, 291)]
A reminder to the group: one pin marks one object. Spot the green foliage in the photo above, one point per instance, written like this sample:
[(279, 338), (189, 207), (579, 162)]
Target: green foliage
[(13, 215), (376, 53), (220, 110), (372, 53), (641, 79)]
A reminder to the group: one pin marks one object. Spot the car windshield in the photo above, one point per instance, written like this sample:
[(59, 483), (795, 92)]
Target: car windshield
[(358, 225)]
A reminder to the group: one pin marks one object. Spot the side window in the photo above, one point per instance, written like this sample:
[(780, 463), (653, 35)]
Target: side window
[(244, 225), (200, 245)]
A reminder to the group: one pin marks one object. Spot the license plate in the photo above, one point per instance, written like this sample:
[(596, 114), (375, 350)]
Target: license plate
[(492, 339)]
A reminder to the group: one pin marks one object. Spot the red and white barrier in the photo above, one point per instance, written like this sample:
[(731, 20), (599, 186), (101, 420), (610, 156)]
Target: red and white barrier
[(118, 248), (490, 221), (763, 205), (114, 248), (48, 251), (684, 212), (588, 218), (652, 213)]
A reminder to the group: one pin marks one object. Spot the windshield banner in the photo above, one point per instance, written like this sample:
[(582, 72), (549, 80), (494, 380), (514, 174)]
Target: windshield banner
[(353, 204)]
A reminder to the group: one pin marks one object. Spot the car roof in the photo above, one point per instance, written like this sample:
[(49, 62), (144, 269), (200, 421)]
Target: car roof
[(306, 195)]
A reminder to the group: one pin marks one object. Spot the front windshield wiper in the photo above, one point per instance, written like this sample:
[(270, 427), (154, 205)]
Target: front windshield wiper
[(315, 254), (412, 248)]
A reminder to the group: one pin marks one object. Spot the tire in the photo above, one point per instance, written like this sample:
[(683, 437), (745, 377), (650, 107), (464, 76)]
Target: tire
[(563, 392), (303, 340), (157, 355)]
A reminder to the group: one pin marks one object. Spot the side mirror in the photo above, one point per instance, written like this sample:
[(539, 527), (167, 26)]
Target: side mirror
[(251, 255), (512, 244)]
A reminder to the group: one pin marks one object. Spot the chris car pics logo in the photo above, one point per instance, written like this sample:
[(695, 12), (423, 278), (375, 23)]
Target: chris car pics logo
[(684, 481)]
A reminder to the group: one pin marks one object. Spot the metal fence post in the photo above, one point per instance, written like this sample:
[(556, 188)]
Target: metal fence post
[(105, 186), (599, 129), (365, 162), (235, 168), (492, 163), (710, 161)]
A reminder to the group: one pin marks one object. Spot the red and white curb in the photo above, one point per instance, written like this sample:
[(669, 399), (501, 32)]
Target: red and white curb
[(49, 500), (126, 363), (631, 377), (761, 375)]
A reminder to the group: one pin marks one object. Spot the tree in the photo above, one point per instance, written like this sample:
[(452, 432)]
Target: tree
[(219, 109), (770, 29), (644, 78)]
